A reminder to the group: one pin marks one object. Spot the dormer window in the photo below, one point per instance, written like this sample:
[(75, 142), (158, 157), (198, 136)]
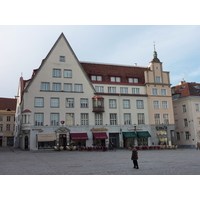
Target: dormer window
[(115, 79), (96, 78), (133, 80)]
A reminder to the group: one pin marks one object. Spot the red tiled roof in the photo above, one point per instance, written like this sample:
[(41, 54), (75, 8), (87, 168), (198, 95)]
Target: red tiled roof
[(8, 103), (107, 70), (26, 110), (187, 89)]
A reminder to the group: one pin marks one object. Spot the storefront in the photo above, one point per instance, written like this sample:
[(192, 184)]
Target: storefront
[(129, 139), (114, 140), (78, 139), (142, 138), (46, 141), (99, 138)]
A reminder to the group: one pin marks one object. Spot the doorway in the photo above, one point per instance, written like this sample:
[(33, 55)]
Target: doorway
[(26, 142), (114, 140)]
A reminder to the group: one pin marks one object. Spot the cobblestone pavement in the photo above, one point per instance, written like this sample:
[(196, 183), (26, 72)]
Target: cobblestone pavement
[(14, 161)]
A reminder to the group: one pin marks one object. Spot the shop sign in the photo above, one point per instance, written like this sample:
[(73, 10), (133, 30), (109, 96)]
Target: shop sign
[(98, 129), (133, 129), (39, 130)]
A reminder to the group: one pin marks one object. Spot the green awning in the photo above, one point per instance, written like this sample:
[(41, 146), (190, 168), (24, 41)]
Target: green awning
[(129, 134), (143, 134)]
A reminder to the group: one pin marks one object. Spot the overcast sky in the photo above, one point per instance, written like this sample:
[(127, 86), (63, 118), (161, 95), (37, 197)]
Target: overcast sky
[(23, 48)]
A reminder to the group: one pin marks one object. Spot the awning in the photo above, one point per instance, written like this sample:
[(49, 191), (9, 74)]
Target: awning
[(129, 134), (79, 136), (143, 134), (46, 137), (102, 135)]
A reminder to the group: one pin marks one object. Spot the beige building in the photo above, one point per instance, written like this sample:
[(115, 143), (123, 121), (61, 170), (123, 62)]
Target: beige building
[(7, 121), (186, 105), (91, 104)]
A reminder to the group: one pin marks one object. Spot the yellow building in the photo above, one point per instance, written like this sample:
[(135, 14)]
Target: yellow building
[(7, 119)]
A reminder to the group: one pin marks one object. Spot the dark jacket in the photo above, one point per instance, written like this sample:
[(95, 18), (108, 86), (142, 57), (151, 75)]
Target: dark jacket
[(134, 154)]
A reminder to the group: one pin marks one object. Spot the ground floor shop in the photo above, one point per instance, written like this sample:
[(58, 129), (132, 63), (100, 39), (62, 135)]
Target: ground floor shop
[(6, 141), (47, 137)]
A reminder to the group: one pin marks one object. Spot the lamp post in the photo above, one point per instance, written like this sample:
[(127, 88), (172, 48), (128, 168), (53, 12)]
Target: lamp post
[(135, 134)]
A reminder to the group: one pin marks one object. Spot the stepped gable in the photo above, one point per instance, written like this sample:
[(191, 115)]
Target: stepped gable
[(8, 104), (108, 70)]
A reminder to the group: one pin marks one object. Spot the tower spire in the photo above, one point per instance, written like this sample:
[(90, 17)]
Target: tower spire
[(154, 53)]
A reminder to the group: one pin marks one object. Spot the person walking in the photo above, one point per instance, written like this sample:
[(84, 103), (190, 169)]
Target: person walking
[(134, 157)]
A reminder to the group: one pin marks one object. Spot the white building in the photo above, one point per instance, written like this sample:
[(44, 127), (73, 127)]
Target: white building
[(186, 104), (67, 101)]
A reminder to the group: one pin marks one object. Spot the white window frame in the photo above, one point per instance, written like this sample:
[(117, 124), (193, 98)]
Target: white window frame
[(113, 118), (111, 89), (126, 104), (127, 118), (164, 104), (39, 102), (57, 73), (163, 92), (57, 87), (185, 122), (69, 119), (62, 59), (156, 104), (39, 119), (54, 119), (124, 90), (158, 79), (165, 118), (112, 103), (45, 86), (157, 118), (115, 79), (184, 108), (154, 91), (140, 104), (141, 118), (54, 102), (187, 135), (67, 87), (67, 73), (135, 90), (69, 102), (84, 103), (84, 119), (98, 119), (99, 88), (78, 88)]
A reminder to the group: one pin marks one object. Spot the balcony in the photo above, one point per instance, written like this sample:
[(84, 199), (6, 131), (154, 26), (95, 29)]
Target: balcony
[(98, 104), (98, 109)]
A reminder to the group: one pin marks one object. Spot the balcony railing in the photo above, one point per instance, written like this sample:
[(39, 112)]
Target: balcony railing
[(98, 109)]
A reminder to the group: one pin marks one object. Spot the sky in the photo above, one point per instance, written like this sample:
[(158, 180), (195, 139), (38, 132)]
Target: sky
[(23, 47)]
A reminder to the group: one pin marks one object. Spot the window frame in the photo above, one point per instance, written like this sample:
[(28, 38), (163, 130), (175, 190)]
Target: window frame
[(85, 119), (45, 86), (70, 102), (40, 119), (57, 104), (70, 122), (156, 104), (127, 119), (40, 102), (55, 120), (67, 73), (128, 104), (153, 91), (84, 103), (62, 58), (55, 87), (140, 105), (141, 120), (112, 103), (56, 73), (113, 119)]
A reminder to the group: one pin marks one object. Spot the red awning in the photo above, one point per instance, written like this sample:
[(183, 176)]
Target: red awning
[(79, 136), (100, 135)]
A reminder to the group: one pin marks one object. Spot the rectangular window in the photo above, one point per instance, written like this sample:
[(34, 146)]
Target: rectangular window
[(133, 80), (99, 88), (163, 92), (185, 123), (126, 104), (165, 118), (67, 87), (54, 102), (45, 86), (123, 90), (39, 102), (154, 91), (69, 103), (39, 119), (184, 108), (78, 88), (1, 118), (26, 119), (140, 117), (112, 103), (67, 73), (7, 127), (84, 119), (127, 119), (156, 104), (158, 79), (1, 127), (178, 136), (62, 58), (56, 86), (140, 104), (113, 119), (136, 90), (96, 78), (70, 119), (98, 119), (197, 107), (8, 118), (187, 135), (57, 73), (54, 119), (84, 103), (111, 89), (157, 118), (115, 79), (164, 105)]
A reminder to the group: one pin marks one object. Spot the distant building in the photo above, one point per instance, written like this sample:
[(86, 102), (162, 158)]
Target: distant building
[(7, 121), (71, 102), (186, 105)]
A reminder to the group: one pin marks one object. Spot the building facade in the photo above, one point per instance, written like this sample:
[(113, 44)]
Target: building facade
[(7, 121), (186, 105), (90, 104)]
